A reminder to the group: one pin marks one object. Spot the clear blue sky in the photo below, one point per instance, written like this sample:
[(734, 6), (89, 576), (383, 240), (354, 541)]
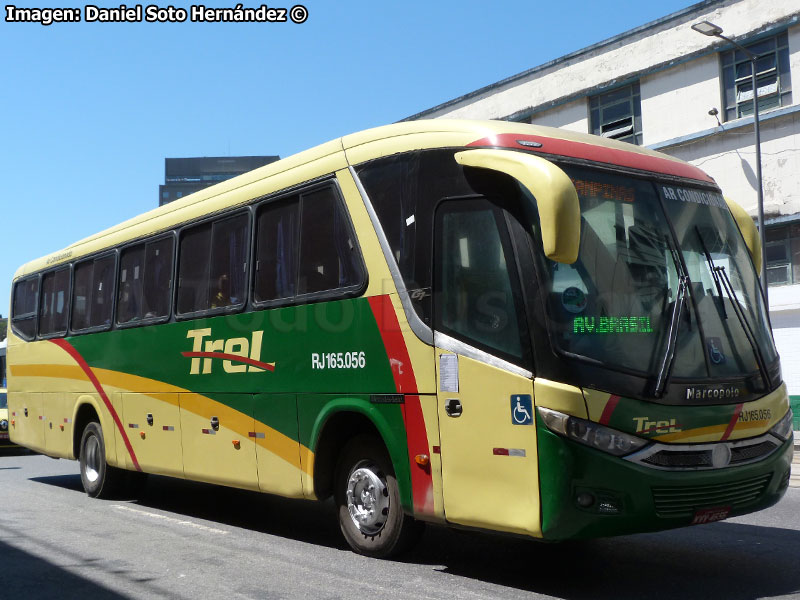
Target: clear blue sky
[(89, 111)]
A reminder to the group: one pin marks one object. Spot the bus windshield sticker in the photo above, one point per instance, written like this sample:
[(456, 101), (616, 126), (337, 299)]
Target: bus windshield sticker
[(715, 354), (573, 299), (696, 196)]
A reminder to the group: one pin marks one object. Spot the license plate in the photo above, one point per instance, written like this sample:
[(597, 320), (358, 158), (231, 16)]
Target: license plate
[(709, 515)]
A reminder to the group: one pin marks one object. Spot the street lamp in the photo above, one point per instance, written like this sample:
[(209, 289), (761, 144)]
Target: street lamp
[(709, 29)]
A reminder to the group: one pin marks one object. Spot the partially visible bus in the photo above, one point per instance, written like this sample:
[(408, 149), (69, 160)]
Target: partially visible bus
[(490, 325), (4, 436)]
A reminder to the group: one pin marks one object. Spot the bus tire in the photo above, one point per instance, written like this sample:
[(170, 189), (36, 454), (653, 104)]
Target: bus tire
[(368, 501), (98, 478)]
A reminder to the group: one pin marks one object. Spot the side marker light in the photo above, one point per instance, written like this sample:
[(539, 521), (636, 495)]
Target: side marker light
[(423, 460), (142, 434)]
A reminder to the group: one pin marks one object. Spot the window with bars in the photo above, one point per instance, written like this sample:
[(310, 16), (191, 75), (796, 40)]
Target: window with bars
[(617, 114), (782, 246), (772, 76)]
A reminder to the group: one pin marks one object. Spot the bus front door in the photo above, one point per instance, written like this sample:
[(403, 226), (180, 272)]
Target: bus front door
[(484, 386), (488, 446)]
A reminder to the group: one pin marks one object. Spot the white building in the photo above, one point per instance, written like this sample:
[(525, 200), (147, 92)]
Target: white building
[(665, 86)]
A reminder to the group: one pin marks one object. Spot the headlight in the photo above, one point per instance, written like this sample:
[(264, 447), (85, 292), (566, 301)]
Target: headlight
[(783, 428), (3, 425), (591, 434)]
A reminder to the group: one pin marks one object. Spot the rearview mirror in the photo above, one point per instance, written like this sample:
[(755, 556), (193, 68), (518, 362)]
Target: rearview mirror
[(556, 197)]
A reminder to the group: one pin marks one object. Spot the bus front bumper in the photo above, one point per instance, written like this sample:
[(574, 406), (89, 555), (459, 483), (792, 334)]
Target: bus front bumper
[(586, 493)]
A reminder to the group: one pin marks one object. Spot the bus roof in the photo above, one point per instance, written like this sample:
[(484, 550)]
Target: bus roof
[(360, 147)]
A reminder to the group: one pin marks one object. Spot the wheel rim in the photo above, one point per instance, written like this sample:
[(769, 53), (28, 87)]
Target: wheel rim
[(367, 499), (91, 466)]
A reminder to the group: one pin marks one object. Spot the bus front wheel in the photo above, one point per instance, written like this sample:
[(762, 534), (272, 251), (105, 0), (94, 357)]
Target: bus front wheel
[(98, 478), (368, 501)]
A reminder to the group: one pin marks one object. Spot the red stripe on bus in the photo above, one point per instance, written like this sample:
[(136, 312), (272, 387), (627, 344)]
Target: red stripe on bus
[(406, 383), (732, 423), (612, 156), (231, 357), (609, 409), (66, 346)]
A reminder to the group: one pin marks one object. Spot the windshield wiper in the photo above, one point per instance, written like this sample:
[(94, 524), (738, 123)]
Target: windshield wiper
[(748, 331), (674, 323), (714, 274), (672, 336)]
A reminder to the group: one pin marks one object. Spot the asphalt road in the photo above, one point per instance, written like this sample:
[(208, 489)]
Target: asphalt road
[(187, 540)]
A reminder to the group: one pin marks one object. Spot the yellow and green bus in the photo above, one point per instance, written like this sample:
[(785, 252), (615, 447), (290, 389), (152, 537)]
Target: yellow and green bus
[(488, 325)]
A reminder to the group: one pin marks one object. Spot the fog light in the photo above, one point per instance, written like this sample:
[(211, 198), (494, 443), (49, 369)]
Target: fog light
[(584, 500)]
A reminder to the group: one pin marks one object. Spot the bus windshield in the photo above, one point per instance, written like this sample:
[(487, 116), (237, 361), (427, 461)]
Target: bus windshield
[(617, 303)]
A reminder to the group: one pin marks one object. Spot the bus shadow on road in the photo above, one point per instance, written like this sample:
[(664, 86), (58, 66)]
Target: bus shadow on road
[(721, 560), (68, 482), (727, 560), (30, 577), (302, 520)]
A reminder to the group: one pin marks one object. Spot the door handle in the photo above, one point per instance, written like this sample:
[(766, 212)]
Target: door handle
[(453, 407), (215, 423)]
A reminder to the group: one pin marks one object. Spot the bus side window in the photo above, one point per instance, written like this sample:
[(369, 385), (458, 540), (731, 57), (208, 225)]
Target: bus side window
[(305, 245), (194, 258), (23, 313), (54, 307), (93, 281), (230, 245), (328, 259), (157, 283), (276, 254), (129, 288), (102, 291), (81, 290), (212, 266)]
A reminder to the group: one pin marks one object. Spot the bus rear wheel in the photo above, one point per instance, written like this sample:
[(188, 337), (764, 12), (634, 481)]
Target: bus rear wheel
[(99, 479), (368, 501)]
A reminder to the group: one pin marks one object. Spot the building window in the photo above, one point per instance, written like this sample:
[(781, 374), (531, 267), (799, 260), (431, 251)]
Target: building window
[(772, 77), (618, 114), (782, 246)]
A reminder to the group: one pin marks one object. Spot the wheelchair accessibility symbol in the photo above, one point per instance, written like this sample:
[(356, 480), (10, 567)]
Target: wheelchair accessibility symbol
[(521, 409)]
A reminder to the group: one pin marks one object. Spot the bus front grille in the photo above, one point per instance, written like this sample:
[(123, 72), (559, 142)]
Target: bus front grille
[(682, 501), (698, 457), (677, 458)]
